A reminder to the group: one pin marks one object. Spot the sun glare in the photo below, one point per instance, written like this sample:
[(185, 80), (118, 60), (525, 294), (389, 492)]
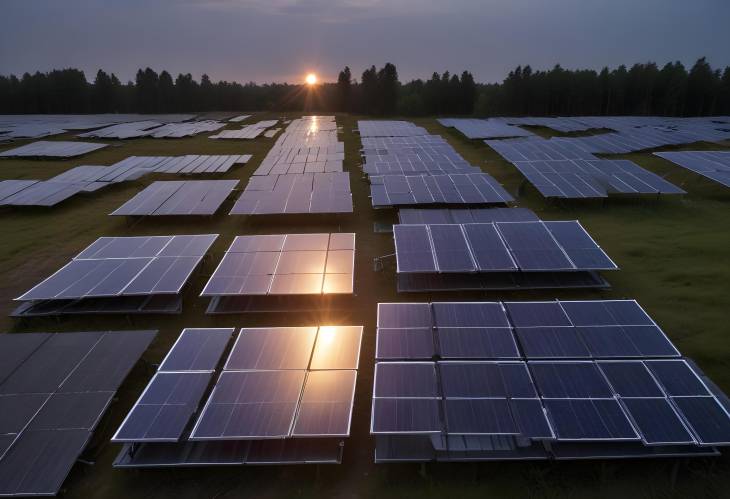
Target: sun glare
[(311, 79)]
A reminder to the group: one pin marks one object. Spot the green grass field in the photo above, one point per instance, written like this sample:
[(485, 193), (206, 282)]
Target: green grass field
[(674, 255)]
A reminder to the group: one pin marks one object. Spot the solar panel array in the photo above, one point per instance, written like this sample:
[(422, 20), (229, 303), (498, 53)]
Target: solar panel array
[(512, 249), (179, 130), (113, 269), (405, 190), (424, 154), (295, 193), (484, 129), (191, 197), (33, 126), (131, 130), (89, 178), (562, 170), (247, 132), (285, 265), (52, 149), (307, 145), (714, 165), (239, 118), (392, 128), (536, 380), (421, 169), (465, 215), (284, 396), (54, 389)]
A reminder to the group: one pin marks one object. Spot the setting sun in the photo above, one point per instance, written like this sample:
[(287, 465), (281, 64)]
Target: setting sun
[(311, 79)]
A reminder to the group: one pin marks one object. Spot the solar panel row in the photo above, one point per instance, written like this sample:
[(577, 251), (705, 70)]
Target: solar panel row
[(497, 247), (52, 149), (465, 215), (54, 388), (404, 190), (632, 387), (296, 193), (484, 129), (286, 264), (283, 383), (194, 197), (714, 165)]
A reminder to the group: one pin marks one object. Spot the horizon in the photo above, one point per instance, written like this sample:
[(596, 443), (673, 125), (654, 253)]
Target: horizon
[(283, 40)]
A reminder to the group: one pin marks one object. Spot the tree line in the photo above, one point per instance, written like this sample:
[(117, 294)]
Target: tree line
[(642, 89)]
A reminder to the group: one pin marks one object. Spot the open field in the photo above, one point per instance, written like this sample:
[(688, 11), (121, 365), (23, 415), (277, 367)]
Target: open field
[(674, 255)]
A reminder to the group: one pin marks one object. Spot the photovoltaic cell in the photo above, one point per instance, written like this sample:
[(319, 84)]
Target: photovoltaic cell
[(404, 343), (406, 415), (583, 419), (251, 405), (569, 380), (657, 421), (197, 350), (677, 378), (163, 410), (709, 420), (630, 379), (326, 404), (479, 417), (272, 348), (402, 379)]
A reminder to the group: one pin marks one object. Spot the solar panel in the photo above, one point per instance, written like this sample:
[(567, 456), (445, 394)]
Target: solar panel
[(436, 188), (250, 405), (197, 350), (164, 408), (405, 380), (272, 348), (119, 266), (484, 129), (292, 264), (569, 380), (505, 247), (54, 149), (59, 388), (326, 405), (465, 215), (714, 165), (589, 420), (194, 197), (635, 406)]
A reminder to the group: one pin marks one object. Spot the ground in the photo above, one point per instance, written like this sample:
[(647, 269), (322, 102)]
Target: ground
[(674, 255)]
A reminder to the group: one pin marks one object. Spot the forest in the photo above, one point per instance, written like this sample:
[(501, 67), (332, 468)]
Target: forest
[(642, 89)]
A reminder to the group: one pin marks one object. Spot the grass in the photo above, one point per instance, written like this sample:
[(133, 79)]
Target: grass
[(674, 255)]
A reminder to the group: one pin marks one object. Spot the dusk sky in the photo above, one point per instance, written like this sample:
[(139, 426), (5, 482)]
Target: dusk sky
[(281, 40)]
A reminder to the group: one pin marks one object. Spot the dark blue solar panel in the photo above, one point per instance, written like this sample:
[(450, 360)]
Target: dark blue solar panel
[(530, 418), (677, 378), (606, 313), (608, 341), (569, 380), (405, 344), (588, 313), (533, 247), (485, 379), (707, 418), (471, 380), (657, 421), (488, 248), (405, 380), (406, 416), (628, 313), (413, 249), (477, 343), (581, 249), (479, 417), (517, 380), (450, 248), (529, 314), (404, 315), (589, 420), (551, 342), (631, 379), (651, 341), (483, 314), (197, 350)]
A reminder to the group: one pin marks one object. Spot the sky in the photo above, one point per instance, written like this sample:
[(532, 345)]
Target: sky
[(282, 40)]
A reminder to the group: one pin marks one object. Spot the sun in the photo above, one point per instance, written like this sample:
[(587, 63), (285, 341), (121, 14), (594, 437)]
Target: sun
[(311, 79)]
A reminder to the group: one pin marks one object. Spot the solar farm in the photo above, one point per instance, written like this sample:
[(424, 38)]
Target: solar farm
[(340, 306)]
